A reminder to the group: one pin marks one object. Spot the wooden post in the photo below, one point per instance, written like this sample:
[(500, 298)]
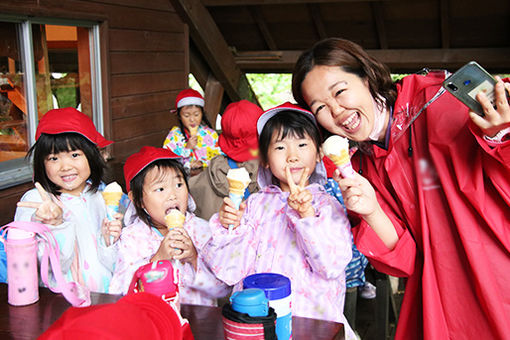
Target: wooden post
[(213, 99)]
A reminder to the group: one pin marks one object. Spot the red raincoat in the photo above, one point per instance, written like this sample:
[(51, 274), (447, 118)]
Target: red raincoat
[(450, 204)]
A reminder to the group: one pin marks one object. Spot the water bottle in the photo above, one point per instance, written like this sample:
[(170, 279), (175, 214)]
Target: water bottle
[(159, 278), (21, 251), (277, 290), (251, 301)]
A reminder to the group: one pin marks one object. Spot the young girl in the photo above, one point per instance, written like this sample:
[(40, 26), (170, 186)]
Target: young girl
[(299, 231), (194, 139), (156, 184), (67, 172)]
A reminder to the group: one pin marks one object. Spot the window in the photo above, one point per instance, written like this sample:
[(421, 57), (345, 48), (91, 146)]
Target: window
[(44, 64)]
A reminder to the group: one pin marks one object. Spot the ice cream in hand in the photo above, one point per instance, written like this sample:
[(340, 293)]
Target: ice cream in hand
[(238, 180), (193, 130), (336, 148), (174, 219), (112, 194)]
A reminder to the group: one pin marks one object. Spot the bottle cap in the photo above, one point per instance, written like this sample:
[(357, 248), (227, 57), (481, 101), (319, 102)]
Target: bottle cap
[(276, 286), (251, 301), (18, 234)]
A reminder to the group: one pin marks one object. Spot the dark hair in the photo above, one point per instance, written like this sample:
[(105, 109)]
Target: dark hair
[(287, 122), (351, 58), (204, 121), (63, 142), (136, 184)]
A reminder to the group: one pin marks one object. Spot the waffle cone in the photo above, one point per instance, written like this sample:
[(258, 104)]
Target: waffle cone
[(193, 131), (236, 187), (174, 219), (341, 159), (112, 198)]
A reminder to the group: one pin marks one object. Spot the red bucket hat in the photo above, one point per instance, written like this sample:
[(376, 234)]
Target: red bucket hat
[(189, 97), (268, 114), (140, 160), (70, 120), (238, 137)]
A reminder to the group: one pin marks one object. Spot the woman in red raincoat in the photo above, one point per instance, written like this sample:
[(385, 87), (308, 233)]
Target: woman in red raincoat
[(436, 205)]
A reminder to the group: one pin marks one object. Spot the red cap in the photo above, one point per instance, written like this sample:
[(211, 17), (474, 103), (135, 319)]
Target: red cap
[(70, 120), (239, 130), (189, 97), (268, 114), (135, 316), (140, 160)]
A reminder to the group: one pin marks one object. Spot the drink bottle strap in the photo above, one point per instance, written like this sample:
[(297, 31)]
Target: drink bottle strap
[(75, 294)]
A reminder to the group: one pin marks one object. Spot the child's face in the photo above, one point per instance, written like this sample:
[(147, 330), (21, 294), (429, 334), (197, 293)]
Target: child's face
[(293, 152), (164, 189), (69, 170), (191, 116)]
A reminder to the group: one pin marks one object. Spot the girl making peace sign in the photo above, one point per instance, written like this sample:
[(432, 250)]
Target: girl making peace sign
[(297, 230), (67, 172)]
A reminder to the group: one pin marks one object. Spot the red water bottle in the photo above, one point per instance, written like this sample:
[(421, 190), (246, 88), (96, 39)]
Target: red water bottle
[(159, 278)]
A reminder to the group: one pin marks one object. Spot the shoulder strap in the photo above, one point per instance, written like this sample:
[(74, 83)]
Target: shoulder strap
[(74, 293)]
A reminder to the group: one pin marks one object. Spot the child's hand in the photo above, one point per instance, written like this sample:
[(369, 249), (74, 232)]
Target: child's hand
[(186, 251), (494, 120), (300, 199), (112, 228), (229, 215), (49, 211), (359, 195), (192, 142)]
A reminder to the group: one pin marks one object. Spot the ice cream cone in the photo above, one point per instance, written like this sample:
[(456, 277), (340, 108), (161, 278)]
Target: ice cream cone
[(236, 187), (341, 159), (174, 219), (336, 148), (112, 198), (193, 130)]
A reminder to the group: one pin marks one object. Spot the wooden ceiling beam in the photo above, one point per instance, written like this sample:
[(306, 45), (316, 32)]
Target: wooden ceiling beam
[(256, 13), (198, 66), (445, 26), (212, 3), (379, 24), (399, 60), (317, 21), (214, 49)]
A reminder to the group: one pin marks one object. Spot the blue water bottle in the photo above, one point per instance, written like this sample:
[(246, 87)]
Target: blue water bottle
[(251, 301), (277, 289)]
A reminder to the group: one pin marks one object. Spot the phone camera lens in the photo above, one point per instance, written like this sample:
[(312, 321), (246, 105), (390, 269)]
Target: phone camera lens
[(452, 87)]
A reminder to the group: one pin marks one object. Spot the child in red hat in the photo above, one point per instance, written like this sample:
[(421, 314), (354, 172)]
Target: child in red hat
[(238, 141), (157, 186), (68, 168), (194, 139)]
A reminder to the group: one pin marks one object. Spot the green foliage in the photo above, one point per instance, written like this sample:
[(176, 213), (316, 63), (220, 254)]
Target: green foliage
[(272, 89)]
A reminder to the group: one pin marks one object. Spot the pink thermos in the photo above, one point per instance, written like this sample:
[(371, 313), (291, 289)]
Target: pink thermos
[(21, 251)]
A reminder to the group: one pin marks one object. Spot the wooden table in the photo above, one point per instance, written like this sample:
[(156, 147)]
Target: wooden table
[(28, 322)]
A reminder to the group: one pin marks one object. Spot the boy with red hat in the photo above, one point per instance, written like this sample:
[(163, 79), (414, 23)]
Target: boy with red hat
[(238, 141), (194, 139)]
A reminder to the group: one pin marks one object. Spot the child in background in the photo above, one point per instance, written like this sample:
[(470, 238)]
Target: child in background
[(238, 140), (194, 139), (299, 231), (156, 184), (68, 169)]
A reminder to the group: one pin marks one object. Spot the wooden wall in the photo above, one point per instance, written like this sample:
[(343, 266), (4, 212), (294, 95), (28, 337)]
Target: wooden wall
[(144, 65)]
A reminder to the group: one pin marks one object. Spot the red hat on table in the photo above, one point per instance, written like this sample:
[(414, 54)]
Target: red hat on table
[(189, 97), (288, 106), (135, 316), (238, 138), (140, 160), (70, 120)]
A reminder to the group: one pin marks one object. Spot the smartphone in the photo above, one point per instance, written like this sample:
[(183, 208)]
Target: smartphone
[(467, 82)]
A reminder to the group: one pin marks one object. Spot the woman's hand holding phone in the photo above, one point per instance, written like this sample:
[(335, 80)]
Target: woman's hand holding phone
[(497, 117)]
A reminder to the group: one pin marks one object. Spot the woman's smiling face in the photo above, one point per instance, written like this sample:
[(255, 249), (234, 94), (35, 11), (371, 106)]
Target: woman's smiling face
[(341, 101)]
